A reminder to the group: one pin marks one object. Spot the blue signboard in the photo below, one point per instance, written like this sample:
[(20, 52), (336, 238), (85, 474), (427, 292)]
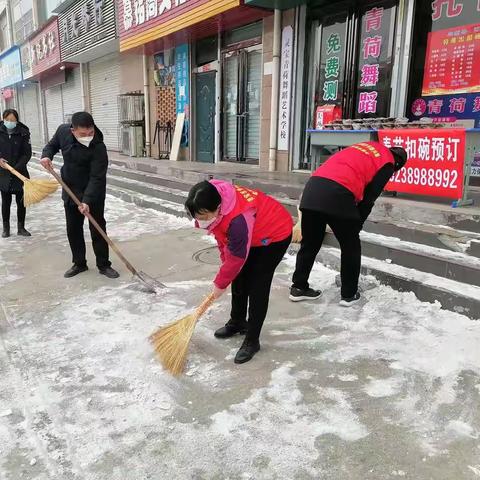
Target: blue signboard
[(462, 106), (182, 79), (10, 68)]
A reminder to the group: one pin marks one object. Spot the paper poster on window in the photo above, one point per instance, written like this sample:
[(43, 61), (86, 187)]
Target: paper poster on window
[(452, 61)]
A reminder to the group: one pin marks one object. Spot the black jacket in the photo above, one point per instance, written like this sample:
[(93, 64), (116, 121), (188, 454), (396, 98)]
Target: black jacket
[(17, 151), (84, 168), (331, 198)]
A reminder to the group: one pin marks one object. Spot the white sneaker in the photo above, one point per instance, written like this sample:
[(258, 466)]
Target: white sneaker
[(348, 302)]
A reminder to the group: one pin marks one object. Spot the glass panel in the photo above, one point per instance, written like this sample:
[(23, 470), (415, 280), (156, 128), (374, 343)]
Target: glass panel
[(253, 96), (375, 60), (230, 97), (332, 61)]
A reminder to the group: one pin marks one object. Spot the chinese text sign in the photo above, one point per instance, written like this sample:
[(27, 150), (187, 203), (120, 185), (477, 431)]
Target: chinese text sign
[(435, 164)]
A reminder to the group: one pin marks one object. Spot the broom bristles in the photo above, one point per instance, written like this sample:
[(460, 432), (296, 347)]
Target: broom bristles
[(35, 191), (171, 342)]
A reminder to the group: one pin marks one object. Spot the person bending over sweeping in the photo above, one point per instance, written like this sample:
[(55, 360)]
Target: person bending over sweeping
[(253, 232), (341, 194)]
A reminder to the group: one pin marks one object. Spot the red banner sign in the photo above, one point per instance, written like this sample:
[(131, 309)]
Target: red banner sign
[(435, 164), (452, 61), (42, 52)]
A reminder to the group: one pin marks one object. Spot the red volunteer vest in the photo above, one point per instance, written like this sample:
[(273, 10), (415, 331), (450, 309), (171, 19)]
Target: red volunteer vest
[(273, 223), (355, 166)]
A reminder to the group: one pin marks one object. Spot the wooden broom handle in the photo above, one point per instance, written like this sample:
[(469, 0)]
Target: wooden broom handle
[(205, 305), (100, 230), (14, 172)]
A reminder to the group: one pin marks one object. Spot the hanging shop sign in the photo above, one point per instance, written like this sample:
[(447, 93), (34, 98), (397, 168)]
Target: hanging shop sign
[(85, 25), (182, 78), (375, 63), (142, 21), (10, 67), (435, 164), (452, 60), (285, 88), (42, 52)]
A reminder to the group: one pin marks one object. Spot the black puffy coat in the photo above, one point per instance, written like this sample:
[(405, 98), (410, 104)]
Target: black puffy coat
[(16, 149), (84, 168)]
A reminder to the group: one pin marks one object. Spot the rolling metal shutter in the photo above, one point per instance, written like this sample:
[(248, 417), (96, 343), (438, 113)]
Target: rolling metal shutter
[(104, 90), (29, 111), (72, 94), (54, 109)]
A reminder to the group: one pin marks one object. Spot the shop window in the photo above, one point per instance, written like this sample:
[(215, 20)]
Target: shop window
[(22, 12), (444, 79), (244, 34), (356, 58), (206, 51)]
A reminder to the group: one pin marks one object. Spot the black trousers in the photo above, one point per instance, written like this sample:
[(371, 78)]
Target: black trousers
[(7, 203), (251, 288), (347, 233), (76, 239)]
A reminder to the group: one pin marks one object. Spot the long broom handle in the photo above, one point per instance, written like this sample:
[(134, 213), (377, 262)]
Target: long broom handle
[(14, 172), (205, 305), (94, 223)]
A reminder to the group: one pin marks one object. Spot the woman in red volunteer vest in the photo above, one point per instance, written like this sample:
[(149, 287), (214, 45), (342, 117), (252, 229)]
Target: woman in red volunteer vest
[(341, 193), (253, 232)]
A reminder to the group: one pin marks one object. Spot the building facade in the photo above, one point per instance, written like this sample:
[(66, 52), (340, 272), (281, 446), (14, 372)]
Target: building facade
[(245, 79)]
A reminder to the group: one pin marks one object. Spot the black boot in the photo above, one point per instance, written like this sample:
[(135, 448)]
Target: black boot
[(75, 270), (109, 272), (22, 231), (6, 229), (247, 351), (230, 329)]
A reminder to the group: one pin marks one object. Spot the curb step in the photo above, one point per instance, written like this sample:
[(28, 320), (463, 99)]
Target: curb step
[(452, 295)]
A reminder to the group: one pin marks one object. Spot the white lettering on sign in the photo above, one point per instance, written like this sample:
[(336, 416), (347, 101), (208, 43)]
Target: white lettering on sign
[(43, 48), (141, 11), (285, 88), (77, 23)]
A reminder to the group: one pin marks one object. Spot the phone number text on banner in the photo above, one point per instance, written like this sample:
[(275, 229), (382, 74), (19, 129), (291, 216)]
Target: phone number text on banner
[(435, 164)]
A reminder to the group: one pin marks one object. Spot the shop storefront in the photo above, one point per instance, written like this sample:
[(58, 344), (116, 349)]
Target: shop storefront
[(89, 37), (199, 69), (10, 75), (356, 88), (445, 79)]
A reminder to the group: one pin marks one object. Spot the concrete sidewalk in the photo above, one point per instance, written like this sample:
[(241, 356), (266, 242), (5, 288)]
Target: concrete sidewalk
[(386, 390)]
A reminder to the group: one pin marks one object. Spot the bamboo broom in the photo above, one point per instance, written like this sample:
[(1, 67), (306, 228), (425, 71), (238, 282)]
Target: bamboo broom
[(171, 342), (34, 191)]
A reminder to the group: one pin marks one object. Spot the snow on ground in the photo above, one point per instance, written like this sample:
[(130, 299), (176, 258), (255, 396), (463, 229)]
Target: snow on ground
[(387, 389)]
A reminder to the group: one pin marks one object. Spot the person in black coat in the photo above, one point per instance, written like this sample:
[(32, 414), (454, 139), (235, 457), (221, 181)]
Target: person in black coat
[(84, 170), (16, 150)]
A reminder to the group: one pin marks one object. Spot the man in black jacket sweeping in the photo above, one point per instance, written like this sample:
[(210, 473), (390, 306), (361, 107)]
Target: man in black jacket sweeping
[(85, 163)]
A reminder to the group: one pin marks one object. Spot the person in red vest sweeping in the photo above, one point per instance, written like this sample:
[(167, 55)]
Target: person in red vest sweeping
[(253, 232), (341, 194)]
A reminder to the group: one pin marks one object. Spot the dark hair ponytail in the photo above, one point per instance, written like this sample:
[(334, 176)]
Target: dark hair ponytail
[(203, 197)]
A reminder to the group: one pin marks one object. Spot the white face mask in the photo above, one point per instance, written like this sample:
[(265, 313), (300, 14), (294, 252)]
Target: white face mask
[(85, 140), (206, 223)]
